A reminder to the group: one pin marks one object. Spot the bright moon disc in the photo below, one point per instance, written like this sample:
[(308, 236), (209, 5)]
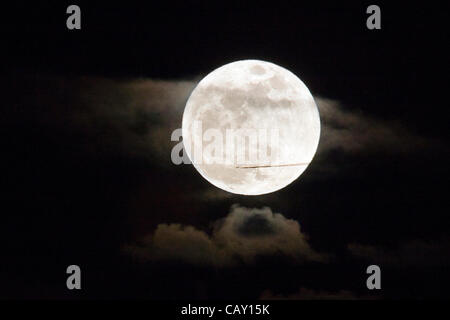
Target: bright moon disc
[(251, 127)]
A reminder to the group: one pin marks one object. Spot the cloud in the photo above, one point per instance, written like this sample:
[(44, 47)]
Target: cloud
[(241, 237), (353, 132), (137, 116), (310, 294), (142, 114), (127, 117), (412, 253)]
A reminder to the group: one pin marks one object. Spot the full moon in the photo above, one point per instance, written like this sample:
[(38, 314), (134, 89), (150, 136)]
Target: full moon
[(251, 127)]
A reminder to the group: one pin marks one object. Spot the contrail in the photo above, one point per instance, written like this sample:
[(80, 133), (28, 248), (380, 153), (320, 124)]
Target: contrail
[(271, 165)]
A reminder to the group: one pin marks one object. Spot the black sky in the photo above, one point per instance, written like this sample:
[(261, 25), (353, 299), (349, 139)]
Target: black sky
[(78, 191)]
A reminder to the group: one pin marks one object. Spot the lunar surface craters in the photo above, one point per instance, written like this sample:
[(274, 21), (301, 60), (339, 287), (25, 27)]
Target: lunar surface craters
[(254, 95)]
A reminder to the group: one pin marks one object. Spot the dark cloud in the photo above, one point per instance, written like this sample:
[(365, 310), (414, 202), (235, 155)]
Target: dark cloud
[(411, 253), (256, 225), (242, 236), (99, 118), (135, 118)]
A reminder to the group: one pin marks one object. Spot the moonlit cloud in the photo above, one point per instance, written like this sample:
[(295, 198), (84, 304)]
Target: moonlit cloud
[(241, 237), (135, 117), (139, 115), (354, 132)]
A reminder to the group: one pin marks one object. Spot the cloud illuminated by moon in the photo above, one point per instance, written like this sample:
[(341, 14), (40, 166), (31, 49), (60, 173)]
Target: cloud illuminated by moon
[(241, 237)]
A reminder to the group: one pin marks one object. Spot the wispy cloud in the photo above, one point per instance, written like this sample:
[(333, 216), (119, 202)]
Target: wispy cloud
[(137, 116), (354, 132)]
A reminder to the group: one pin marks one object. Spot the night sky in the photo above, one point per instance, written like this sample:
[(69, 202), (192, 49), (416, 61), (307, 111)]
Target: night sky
[(87, 177)]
